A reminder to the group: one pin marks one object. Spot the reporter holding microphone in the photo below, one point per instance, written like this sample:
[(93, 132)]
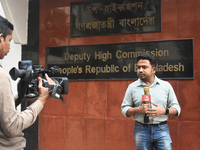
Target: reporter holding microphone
[(153, 133)]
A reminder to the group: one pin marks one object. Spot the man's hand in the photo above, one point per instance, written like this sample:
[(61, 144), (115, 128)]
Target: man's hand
[(43, 90), (141, 109), (144, 108), (155, 112)]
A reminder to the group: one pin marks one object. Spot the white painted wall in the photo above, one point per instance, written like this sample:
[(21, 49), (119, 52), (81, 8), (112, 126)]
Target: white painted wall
[(16, 11)]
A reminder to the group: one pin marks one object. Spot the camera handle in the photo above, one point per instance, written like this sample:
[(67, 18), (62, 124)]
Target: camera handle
[(55, 90)]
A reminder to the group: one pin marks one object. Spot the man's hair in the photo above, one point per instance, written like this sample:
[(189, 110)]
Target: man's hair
[(149, 57), (5, 27)]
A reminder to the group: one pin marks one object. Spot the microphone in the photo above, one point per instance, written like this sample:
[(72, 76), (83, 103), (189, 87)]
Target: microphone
[(146, 99)]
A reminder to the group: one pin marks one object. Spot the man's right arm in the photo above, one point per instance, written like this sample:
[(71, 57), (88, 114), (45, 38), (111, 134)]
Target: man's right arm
[(127, 106), (135, 110), (13, 122), (132, 111)]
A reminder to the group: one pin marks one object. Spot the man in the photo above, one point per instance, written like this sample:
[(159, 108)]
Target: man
[(164, 103), (12, 122)]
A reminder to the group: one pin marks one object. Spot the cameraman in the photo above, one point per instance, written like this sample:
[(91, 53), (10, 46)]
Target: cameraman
[(12, 123)]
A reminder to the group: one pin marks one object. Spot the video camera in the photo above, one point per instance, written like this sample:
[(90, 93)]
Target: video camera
[(27, 87)]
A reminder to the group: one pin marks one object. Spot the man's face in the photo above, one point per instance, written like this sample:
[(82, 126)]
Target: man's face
[(145, 71), (5, 45)]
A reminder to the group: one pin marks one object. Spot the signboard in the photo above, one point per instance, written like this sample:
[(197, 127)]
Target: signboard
[(118, 61), (105, 17)]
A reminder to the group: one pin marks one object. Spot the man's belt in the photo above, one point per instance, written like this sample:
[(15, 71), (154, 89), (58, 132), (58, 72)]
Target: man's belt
[(150, 125)]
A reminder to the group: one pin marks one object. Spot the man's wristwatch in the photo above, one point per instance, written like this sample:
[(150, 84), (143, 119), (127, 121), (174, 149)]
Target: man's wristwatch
[(167, 111)]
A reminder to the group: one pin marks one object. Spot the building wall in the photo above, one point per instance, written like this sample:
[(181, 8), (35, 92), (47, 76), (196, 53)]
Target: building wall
[(91, 118)]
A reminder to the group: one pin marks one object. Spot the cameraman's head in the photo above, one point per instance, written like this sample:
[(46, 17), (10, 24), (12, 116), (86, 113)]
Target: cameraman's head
[(6, 29)]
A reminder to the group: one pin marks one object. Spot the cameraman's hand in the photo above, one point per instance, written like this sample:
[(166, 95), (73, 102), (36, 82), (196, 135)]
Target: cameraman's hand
[(44, 90)]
